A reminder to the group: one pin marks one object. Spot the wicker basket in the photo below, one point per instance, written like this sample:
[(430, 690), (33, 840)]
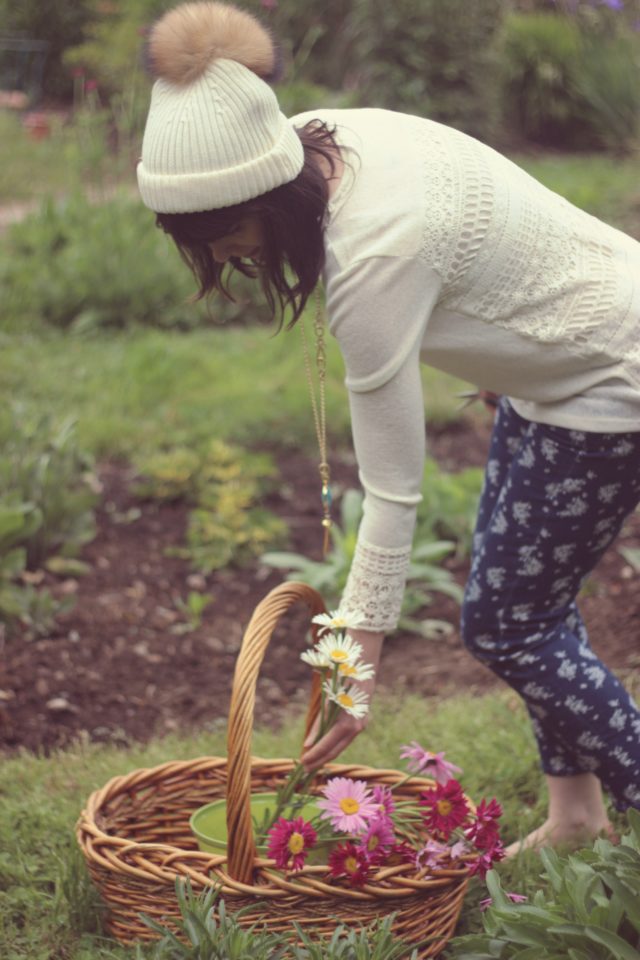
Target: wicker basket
[(134, 832)]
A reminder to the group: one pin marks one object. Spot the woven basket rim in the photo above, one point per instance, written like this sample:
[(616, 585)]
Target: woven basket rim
[(167, 861)]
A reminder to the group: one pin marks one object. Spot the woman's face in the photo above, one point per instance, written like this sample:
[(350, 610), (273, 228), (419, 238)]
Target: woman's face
[(245, 242)]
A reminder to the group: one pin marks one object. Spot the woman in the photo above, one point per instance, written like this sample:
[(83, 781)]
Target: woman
[(433, 248)]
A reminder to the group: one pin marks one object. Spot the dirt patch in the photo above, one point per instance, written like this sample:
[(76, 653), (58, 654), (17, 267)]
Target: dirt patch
[(117, 668)]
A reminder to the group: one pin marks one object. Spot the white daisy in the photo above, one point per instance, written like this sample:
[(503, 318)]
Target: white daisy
[(356, 671), (316, 659), (339, 649), (339, 621), (354, 702)]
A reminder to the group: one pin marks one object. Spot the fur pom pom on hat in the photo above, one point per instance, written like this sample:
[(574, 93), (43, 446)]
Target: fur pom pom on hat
[(214, 135)]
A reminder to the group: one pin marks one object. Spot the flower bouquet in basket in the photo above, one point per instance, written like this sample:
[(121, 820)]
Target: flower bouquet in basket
[(356, 829)]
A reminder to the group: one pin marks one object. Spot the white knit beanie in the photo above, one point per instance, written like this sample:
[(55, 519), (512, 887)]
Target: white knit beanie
[(215, 135)]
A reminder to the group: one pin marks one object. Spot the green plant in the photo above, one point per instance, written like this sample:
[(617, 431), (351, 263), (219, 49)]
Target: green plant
[(192, 610), (430, 58), (329, 576), (449, 505), (46, 514), (84, 279), (224, 483), (376, 942), (571, 80), (210, 933), (587, 910), (48, 481)]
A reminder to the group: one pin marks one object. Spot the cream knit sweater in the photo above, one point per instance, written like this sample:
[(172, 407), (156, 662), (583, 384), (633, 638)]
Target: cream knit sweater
[(439, 250)]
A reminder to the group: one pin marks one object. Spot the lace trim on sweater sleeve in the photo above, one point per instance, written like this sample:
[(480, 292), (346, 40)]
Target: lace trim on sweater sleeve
[(375, 587)]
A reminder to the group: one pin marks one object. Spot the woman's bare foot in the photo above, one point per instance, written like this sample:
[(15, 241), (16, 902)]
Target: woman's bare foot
[(565, 834), (577, 815)]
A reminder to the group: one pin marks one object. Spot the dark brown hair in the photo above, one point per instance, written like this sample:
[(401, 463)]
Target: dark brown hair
[(291, 217)]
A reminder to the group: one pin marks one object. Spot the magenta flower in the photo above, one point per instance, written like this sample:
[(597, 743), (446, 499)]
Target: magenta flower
[(377, 838), (290, 840), (446, 808), (485, 859), (485, 830), (347, 860), (399, 853), (384, 799), (348, 804), (433, 764)]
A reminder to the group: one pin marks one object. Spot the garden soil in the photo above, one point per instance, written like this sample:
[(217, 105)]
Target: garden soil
[(118, 667)]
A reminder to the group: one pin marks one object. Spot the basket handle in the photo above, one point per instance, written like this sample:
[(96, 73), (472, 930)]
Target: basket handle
[(241, 848)]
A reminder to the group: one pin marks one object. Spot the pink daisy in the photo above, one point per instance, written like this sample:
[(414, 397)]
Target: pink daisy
[(446, 808), (384, 799), (377, 838), (433, 764), (290, 840), (347, 860), (348, 804)]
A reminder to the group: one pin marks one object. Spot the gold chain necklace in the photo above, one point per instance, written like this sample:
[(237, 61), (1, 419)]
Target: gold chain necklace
[(319, 413)]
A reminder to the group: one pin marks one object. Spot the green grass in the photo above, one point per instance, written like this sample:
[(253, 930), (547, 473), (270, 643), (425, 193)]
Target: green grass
[(147, 390), (48, 909)]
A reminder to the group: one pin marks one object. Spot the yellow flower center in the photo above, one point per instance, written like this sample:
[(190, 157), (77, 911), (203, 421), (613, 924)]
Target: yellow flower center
[(347, 669), (350, 864), (349, 805), (444, 807), (296, 843), (339, 655), (338, 623), (373, 842), (345, 700)]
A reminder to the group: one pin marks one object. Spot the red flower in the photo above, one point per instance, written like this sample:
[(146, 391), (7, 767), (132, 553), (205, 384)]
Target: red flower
[(484, 832), (446, 808), (399, 853), (347, 860), (485, 859), (290, 840)]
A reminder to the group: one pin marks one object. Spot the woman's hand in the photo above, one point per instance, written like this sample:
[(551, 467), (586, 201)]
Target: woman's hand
[(346, 728)]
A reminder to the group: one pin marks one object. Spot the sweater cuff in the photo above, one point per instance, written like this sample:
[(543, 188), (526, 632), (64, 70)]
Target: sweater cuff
[(375, 587)]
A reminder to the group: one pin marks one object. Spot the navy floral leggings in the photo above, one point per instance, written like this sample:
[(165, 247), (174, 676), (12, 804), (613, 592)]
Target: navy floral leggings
[(553, 501)]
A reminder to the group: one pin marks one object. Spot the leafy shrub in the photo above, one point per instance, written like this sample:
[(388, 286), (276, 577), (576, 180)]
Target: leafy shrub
[(588, 908), (88, 266), (570, 83), (430, 58), (449, 505), (48, 481), (207, 931), (329, 576), (224, 483), (60, 23), (422, 56), (46, 513)]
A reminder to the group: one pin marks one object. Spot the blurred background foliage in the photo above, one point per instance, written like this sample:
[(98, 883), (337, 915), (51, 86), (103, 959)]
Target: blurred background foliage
[(564, 73), (539, 79)]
